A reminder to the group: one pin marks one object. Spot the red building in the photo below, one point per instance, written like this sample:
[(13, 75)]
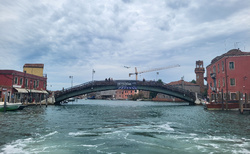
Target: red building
[(21, 86), (125, 93), (229, 74)]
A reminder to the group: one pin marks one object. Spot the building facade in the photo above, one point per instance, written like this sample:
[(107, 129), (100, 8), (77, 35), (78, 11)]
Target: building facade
[(186, 85), (228, 74), (180, 84), (124, 94), (35, 69), (21, 86)]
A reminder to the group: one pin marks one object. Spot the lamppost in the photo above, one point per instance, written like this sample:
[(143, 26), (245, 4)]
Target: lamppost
[(71, 77), (93, 72)]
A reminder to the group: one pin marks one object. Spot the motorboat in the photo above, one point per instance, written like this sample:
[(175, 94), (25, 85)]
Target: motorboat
[(9, 106)]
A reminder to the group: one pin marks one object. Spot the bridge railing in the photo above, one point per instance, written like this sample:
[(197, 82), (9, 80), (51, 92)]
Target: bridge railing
[(164, 85), (115, 82), (85, 85)]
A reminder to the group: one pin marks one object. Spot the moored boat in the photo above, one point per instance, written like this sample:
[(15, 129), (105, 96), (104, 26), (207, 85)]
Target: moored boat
[(9, 106), (220, 106)]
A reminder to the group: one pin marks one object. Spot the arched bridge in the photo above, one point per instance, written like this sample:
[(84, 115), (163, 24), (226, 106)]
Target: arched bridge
[(95, 86)]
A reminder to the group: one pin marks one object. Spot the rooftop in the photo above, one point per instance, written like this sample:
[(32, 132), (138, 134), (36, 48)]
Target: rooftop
[(34, 65), (180, 83), (230, 53)]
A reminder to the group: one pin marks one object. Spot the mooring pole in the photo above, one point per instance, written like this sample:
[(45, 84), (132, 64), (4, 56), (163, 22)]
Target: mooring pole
[(222, 101), (5, 106), (46, 100)]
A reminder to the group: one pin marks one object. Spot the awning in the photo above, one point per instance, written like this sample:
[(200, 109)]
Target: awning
[(38, 91), (45, 92), (21, 90)]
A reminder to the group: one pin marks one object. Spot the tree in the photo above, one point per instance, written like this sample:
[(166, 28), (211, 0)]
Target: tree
[(193, 81), (160, 81)]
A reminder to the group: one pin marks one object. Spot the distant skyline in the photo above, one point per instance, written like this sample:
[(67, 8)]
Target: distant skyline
[(71, 38)]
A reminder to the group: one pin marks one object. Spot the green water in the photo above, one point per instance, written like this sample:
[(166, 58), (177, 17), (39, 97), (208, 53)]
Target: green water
[(97, 126)]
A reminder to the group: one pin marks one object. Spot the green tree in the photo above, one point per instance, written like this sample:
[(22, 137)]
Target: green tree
[(193, 81), (160, 81)]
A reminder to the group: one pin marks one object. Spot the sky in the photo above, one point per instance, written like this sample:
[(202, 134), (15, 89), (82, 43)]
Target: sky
[(72, 37)]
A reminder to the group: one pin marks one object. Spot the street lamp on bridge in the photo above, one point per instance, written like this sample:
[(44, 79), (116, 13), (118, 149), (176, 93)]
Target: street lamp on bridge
[(71, 77)]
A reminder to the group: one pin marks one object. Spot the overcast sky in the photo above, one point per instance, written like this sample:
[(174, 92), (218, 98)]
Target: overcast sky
[(72, 37)]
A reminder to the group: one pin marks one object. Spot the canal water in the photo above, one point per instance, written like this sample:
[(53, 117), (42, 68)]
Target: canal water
[(112, 127)]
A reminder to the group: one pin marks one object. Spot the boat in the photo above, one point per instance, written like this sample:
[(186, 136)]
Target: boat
[(220, 106), (9, 106), (93, 97), (71, 99)]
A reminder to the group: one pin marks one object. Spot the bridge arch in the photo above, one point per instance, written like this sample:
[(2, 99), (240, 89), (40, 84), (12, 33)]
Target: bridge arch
[(96, 86)]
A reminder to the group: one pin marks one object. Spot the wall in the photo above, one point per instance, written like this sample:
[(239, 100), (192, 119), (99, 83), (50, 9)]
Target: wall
[(34, 71)]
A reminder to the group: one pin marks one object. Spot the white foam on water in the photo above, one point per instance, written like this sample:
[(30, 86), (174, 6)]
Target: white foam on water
[(166, 127), (22, 145), (114, 132), (80, 133), (89, 146), (192, 134), (17, 146), (232, 145)]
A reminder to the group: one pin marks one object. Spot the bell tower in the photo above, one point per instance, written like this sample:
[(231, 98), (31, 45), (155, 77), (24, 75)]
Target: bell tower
[(199, 71)]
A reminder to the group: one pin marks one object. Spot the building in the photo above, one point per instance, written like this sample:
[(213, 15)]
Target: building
[(199, 71), (180, 84), (22, 86), (35, 69), (186, 85), (228, 74), (108, 94), (124, 94)]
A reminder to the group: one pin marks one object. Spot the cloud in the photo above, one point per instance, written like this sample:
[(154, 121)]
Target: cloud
[(74, 37)]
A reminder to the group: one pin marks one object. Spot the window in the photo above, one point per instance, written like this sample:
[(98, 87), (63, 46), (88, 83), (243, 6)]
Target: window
[(231, 65), (21, 81), (16, 80), (26, 82), (222, 65), (214, 69), (34, 85), (218, 68), (37, 83), (223, 82), (232, 82), (233, 96)]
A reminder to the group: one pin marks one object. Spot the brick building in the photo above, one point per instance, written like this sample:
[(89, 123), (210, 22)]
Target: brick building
[(22, 86), (228, 74)]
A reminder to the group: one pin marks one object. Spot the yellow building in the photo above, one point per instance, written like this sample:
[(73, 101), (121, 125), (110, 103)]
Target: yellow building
[(35, 69)]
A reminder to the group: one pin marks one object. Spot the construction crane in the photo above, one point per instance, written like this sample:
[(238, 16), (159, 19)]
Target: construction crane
[(151, 70)]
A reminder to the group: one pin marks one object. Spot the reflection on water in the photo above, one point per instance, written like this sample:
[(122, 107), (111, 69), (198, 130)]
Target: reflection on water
[(96, 126)]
